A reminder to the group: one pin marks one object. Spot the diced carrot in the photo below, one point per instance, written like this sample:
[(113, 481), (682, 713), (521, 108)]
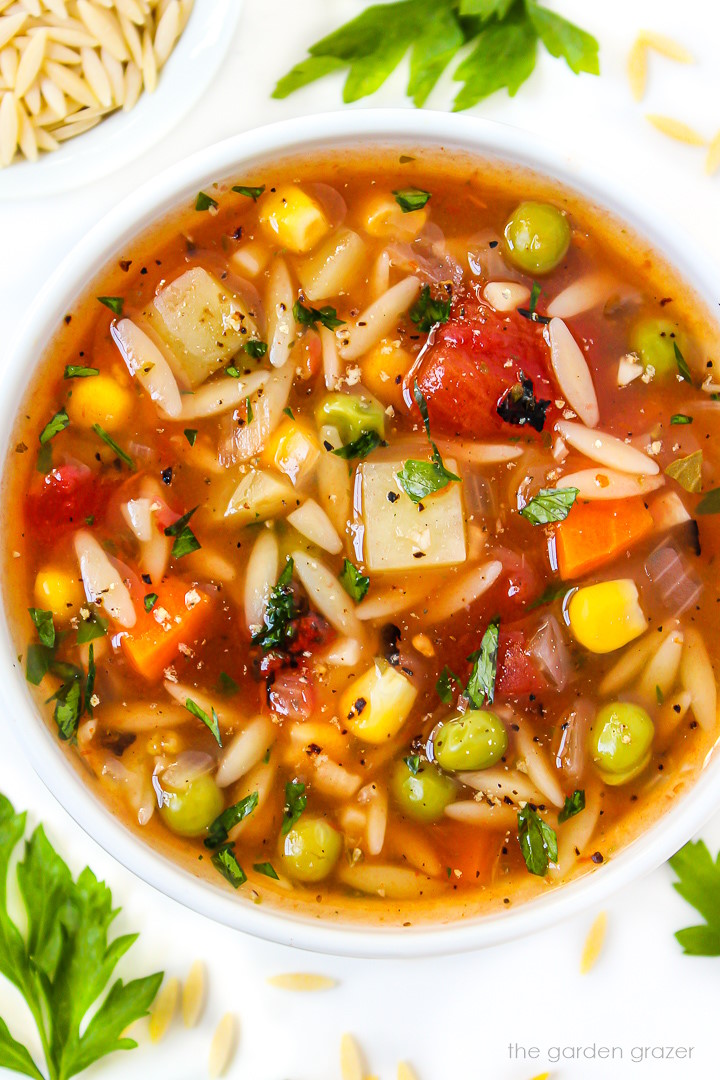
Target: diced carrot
[(594, 533), (176, 619)]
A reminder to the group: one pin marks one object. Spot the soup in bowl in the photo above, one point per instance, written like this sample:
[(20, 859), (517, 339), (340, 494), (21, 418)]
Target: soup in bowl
[(363, 535)]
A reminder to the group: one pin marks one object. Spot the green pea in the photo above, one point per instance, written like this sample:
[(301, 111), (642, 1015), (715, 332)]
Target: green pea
[(654, 341), (537, 235), (422, 795), (189, 810), (475, 740), (351, 414), (311, 849), (621, 739)]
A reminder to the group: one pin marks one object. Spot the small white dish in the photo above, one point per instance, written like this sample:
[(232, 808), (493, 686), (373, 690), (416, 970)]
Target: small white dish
[(246, 155), (121, 137)]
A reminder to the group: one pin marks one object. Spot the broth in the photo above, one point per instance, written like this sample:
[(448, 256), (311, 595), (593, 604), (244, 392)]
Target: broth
[(469, 656)]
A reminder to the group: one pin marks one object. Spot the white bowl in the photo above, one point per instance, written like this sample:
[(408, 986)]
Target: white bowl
[(247, 153)]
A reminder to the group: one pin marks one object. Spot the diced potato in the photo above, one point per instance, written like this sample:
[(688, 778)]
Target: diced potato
[(293, 219), (100, 400), (376, 705), (203, 323), (60, 592), (383, 217), (260, 495), (251, 259), (606, 616), (384, 369), (293, 449), (403, 535), (330, 270)]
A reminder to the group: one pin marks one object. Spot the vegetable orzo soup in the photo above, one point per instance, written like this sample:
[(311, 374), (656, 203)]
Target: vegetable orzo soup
[(364, 542)]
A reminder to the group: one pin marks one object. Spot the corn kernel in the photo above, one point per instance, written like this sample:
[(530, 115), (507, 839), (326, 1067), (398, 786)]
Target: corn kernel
[(606, 616), (292, 218), (377, 704), (293, 449), (100, 400), (384, 369), (383, 217), (59, 592)]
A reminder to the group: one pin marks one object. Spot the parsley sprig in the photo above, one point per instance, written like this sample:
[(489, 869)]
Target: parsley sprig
[(699, 884), (418, 479), (504, 34), (281, 609)]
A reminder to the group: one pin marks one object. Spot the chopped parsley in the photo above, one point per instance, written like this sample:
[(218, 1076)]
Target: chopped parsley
[(233, 372), (530, 311), (115, 303), (409, 199), (226, 684), (95, 626), (279, 614), (295, 803), (444, 685), (310, 316), (191, 435), (520, 406), (108, 439), (550, 504), (255, 348), (481, 684), (266, 869), (418, 479), (53, 427), (682, 366), (185, 540), (205, 201), (429, 311), (288, 412), (681, 418), (360, 447), (150, 600), (210, 722), (413, 763), (548, 596), (225, 861), (573, 805), (77, 371), (353, 582), (253, 193), (232, 815), (538, 841), (44, 625)]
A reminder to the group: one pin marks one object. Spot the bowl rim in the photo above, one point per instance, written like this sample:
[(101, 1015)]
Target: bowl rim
[(150, 202)]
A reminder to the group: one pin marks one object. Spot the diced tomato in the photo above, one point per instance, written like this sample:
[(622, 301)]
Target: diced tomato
[(312, 631), (517, 672), (291, 694), (518, 585), (68, 497), (474, 363), (471, 851)]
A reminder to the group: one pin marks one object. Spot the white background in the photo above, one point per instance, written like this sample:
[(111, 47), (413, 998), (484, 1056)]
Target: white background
[(451, 1018)]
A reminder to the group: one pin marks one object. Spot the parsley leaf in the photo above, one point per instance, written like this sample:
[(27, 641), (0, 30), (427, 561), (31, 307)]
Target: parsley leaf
[(360, 447), (310, 316), (418, 479), (253, 193), (520, 406), (353, 582), (279, 614), (409, 199), (699, 884), (573, 805), (191, 435), (204, 201), (267, 869), (230, 817), (248, 410), (427, 311), (504, 57), (295, 803), (91, 628), (77, 371), (413, 763), (564, 40), (38, 661), (443, 686), (108, 439), (550, 504), (233, 371), (53, 427), (481, 684), (538, 841), (115, 303), (225, 861), (185, 540), (687, 471), (681, 418), (44, 624), (64, 961), (682, 366), (529, 312), (210, 722), (226, 684), (150, 600), (548, 596), (68, 708), (255, 348)]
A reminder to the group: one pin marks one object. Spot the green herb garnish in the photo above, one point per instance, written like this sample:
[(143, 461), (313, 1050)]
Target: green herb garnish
[(538, 841), (310, 316), (115, 303), (253, 193), (225, 861), (95, 626), (682, 366), (353, 582), (681, 418), (185, 540), (44, 625), (444, 685), (413, 763), (248, 410), (267, 869), (550, 504), (687, 471), (255, 348), (191, 435), (77, 371), (150, 600), (58, 423), (288, 412), (210, 722), (573, 805), (549, 595), (360, 447), (204, 201), (429, 311), (699, 884), (418, 479), (529, 312), (295, 803), (481, 684), (233, 372), (409, 199), (218, 831), (108, 439), (279, 613), (226, 684)]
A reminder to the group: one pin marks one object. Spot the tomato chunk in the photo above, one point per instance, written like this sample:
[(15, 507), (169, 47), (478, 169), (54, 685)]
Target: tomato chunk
[(479, 362), (68, 497)]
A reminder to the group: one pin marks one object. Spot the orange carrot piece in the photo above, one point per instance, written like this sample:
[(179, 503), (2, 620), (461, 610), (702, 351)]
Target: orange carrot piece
[(593, 533), (176, 619)]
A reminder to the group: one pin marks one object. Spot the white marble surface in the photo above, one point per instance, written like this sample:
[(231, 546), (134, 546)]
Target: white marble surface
[(451, 1018)]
